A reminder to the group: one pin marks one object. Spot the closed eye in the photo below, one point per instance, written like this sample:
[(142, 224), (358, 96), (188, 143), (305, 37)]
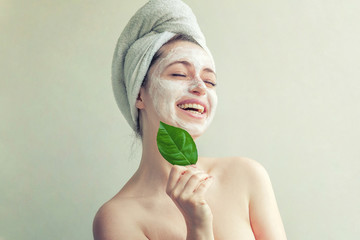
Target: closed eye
[(178, 75), (211, 83)]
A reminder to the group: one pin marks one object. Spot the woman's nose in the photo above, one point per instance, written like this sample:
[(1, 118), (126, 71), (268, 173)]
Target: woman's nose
[(198, 87)]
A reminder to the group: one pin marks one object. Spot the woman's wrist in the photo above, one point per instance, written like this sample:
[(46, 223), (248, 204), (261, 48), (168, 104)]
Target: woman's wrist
[(200, 231)]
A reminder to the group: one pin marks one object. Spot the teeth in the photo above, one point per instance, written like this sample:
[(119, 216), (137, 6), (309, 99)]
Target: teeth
[(194, 106), (194, 111)]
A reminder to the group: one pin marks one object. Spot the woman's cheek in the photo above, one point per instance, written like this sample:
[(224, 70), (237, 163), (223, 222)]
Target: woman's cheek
[(165, 93), (213, 100)]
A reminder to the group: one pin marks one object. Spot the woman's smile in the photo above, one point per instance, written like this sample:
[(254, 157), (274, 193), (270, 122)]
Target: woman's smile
[(193, 108)]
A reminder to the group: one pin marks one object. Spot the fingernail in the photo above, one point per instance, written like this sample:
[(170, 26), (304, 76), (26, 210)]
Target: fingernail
[(209, 177)]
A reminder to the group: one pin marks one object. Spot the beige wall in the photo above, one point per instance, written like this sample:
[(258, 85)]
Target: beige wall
[(289, 97)]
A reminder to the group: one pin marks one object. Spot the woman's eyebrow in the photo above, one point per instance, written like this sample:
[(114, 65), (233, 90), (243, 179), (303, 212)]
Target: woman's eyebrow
[(189, 64), (181, 62), (210, 71)]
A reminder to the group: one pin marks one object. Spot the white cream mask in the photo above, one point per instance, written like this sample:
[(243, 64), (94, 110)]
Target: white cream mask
[(170, 94)]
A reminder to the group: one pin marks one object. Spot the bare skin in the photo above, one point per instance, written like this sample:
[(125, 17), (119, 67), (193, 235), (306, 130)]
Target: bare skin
[(219, 198)]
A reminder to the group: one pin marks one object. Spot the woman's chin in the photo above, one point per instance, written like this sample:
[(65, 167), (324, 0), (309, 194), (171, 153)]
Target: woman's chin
[(195, 136), (195, 127), (195, 131)]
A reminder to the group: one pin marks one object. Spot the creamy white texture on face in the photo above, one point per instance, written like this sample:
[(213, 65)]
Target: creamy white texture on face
[(166, 92)]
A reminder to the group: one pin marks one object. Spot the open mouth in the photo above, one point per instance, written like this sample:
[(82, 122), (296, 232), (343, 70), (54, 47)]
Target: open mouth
[(192, 108)]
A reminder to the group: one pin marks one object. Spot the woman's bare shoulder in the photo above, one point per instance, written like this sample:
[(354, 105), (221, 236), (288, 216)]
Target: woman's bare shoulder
[(117, 219), (246, 173), (239, 172), (237, 166)]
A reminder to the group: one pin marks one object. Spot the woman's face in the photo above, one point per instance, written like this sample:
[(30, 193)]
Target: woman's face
[(181, 87)]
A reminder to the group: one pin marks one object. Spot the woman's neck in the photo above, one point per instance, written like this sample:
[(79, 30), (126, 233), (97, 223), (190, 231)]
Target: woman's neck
[(153, 170)]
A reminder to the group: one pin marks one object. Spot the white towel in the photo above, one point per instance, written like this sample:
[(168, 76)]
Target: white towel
[(152, 25)]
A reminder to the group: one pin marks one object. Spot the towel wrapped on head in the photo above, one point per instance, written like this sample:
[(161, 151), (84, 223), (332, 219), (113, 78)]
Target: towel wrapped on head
[(151, 27)]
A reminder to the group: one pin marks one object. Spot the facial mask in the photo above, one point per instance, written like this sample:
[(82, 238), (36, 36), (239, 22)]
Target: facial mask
[(166, 93)]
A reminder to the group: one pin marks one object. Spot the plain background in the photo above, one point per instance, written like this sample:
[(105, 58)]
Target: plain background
[(289, 97)]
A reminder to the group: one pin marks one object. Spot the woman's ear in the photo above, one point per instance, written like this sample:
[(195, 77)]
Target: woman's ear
[(139, 100)]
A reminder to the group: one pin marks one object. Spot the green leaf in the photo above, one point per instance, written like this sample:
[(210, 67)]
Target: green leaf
[(176, 145)]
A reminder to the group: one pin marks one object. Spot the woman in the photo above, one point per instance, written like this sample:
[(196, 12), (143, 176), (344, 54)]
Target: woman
[(218, 198)]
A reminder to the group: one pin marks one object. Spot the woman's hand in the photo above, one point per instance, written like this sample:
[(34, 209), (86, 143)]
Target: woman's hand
[(186, 187)]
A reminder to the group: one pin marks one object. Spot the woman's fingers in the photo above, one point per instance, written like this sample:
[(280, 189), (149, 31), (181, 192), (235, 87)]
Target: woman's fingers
[(204, 185), (187, 181), (174, 175), (194, 182)]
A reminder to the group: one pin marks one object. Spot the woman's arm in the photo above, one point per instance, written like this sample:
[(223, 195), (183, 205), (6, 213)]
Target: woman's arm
[(264, 213), (187, 187)]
